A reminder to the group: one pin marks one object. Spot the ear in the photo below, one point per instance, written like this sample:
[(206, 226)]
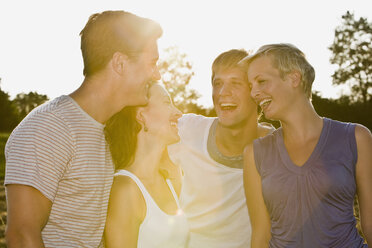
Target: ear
[(141, 116), (119, 62), (295, 78)]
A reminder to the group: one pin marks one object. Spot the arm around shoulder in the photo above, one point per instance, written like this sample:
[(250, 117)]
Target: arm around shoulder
[(28, 213), (260, 220), (265, 128), (126, 211), (363, 179)]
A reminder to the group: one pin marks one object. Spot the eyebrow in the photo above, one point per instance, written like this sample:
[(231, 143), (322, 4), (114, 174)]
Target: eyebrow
[(255, 78), (237, 78)]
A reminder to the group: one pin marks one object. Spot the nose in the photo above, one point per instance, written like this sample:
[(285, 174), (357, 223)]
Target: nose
[(177, 113), (225, 89), (156, 74), (254, 91)]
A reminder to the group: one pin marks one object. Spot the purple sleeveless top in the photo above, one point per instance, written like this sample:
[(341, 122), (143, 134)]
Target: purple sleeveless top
[(311, 206)]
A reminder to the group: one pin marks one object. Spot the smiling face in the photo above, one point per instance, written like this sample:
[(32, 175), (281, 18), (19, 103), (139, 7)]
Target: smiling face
[(160, 116), (231, 97), (268, 89), (141, 72)]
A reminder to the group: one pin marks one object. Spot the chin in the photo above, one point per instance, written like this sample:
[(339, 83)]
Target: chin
[(174, 139), (142, 102), (271, 117), (227, 122)]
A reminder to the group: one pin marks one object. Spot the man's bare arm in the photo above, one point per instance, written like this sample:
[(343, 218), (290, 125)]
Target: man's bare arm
[(28, 212)]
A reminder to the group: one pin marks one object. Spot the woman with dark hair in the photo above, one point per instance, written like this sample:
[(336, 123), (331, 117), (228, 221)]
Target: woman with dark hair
[(143, 209)]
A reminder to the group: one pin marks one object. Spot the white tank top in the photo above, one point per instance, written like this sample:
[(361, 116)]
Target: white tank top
[(159, 229)]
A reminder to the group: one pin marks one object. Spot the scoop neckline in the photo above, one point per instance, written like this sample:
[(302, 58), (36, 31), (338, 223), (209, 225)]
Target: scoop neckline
[(314, 154), (150, 196)]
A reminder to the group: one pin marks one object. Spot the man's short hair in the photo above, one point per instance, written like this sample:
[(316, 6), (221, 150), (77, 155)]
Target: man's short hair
[(286, 58), (114, 31), (228, 60)]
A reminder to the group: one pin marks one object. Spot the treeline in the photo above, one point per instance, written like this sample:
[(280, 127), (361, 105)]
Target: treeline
[(341, 109), (351, 52), (13, 111)]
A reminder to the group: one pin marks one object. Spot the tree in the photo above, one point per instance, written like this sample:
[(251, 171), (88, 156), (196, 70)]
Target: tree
[(27, 102), (176, 73), (343, 109), (352, 52), (8, 113)]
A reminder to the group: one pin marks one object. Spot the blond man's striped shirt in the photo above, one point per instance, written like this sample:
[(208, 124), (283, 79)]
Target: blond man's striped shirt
[(61, 151)]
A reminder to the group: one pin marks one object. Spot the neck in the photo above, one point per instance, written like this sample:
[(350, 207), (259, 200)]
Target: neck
[(301, 125), (232, 141), (148, 156), (96, 97)]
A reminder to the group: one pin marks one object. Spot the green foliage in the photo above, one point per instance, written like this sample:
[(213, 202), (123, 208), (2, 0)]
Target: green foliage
[(8, 113), (27, 102), (3, 138), (343, 109), (176, 73), (12, 112), (352, 52)]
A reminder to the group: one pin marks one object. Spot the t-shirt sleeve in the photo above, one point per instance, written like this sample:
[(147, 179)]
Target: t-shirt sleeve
[(38, 153)]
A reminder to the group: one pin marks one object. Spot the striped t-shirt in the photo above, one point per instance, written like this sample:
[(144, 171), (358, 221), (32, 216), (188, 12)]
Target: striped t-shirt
[(61, 151)]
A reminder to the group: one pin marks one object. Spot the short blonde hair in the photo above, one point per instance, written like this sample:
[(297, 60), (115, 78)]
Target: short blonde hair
[(286, 58), (227, 60)]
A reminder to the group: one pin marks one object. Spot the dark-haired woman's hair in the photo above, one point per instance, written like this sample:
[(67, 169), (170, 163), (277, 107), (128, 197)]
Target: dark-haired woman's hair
[(121, 132)]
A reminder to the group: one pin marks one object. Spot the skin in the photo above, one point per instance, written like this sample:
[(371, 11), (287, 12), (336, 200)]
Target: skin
[(127, 207), (237, 125), (301, 131), (259, 217), (28, 212), (363, 177), (101, 96)]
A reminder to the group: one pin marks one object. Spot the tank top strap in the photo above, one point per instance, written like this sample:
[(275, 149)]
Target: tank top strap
[(145, 193), (170, 185)]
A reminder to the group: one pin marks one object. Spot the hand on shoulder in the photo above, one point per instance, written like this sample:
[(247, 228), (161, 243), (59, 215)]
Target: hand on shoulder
[(265, 128)]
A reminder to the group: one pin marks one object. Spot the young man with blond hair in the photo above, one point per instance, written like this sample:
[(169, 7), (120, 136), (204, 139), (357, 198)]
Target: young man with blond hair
[(210, 153)]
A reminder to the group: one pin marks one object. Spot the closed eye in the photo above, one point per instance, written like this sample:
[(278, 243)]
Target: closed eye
[(237, 82)]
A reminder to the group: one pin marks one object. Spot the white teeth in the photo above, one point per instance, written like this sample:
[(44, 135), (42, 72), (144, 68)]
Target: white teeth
[(173, 123), (264, 102), (228, 105)]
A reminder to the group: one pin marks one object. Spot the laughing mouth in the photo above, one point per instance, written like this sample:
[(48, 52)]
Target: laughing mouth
[(173, 122), (264, 103), (228, 106)]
